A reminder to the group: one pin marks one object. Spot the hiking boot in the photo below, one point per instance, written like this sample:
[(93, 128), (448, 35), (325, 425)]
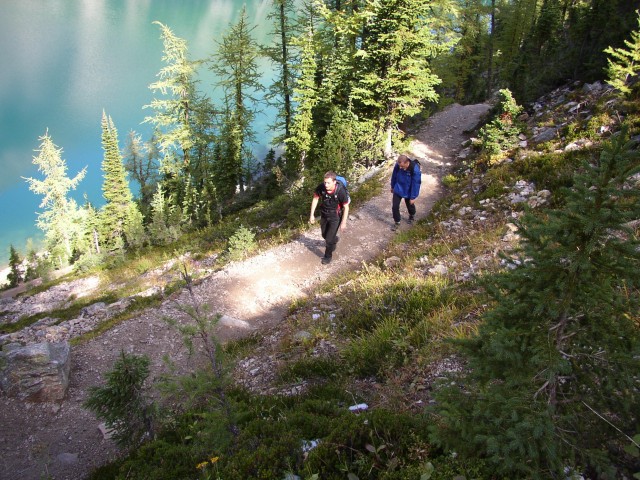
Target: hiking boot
[(326, 260), (395, 226), (411, 219)]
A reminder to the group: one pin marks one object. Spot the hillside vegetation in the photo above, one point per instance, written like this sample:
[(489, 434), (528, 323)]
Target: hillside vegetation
[(496, 339)]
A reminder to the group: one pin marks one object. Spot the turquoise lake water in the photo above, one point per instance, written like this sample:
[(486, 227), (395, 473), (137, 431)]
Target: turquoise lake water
[(65, 61)]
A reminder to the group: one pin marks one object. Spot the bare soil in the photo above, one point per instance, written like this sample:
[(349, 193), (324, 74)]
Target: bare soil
[(63, 442)]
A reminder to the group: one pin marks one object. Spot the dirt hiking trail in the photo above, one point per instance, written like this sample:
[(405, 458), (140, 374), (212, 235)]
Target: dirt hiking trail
[(63, 442)]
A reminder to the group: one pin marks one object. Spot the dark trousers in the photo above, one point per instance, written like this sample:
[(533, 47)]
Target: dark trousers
[(395, 207), (329, 228)]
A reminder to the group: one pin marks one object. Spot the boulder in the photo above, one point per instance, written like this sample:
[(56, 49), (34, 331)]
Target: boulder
[(36, 373), (545, 135)]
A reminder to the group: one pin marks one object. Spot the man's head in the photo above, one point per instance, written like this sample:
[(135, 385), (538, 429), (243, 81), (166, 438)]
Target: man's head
[(330, 181), (403, 162)]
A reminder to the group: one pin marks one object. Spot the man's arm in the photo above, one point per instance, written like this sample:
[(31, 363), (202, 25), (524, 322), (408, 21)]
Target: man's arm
[(314, 204), (345, 215), (416, 181), (394, 176)]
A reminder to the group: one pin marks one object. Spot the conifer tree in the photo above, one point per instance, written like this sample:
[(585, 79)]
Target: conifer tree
[(142, 163), (134, 232), (235, 65), (122, 402), (59, 221), (553, 378), (190, 204), (338, 151), (172, 117), (34, 268), (119, 213), (268, 175), (205, 124), (91, 228), (624, 64), (14, 276), (471, 54), (397, 42), (305, 96), (281, 55), (164, 227)]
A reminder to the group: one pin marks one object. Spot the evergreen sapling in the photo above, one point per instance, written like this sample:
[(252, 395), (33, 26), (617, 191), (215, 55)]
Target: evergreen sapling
[(553, 379)]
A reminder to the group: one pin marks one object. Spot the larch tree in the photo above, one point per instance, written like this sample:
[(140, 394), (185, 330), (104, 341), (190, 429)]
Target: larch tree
[(164, 226), (120, 217), (306, 97), (471, 54), (59, 219), (399, 40), (201, 165), (91, 229), (235, 65), (281, 54), (176, 88), (141, 161)]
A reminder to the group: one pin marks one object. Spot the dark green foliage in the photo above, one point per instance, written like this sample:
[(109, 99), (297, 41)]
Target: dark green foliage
[(122, 403), (376, 444), (276, 436), (161, 460), (469, 56), (235, 65), (533, 46), (502, 132), (338, 152), (553, 378), (14, 276), (311, 368), (120, 219), (241, 243), (141, 161), (268, 450), (282, 57), (266, 184), (623, 63), (106, 472)]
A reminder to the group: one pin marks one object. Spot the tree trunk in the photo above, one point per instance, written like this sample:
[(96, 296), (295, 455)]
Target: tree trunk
[(490, 49)]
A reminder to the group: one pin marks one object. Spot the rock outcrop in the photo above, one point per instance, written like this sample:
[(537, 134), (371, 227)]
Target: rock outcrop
[(37, 373)]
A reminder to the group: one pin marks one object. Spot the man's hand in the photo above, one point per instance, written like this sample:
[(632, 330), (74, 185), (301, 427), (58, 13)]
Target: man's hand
[(312, 219)]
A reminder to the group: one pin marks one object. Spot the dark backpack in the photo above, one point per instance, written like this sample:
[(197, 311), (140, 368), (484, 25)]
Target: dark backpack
[(415, 162)]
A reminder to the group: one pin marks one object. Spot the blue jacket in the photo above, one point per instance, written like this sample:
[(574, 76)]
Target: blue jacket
[(406, 183)]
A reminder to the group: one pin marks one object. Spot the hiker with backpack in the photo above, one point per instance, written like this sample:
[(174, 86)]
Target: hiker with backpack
[(405, 185), (334, 211)]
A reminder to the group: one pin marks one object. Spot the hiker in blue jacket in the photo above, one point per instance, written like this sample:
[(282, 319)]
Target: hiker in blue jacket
[(405, 184)]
